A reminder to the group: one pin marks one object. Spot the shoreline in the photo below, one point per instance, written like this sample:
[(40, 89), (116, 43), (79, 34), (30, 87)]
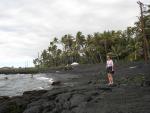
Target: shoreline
[(89, 95)]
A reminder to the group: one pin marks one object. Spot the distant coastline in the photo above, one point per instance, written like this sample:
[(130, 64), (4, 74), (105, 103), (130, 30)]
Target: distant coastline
[(29, 70), (9, 70)]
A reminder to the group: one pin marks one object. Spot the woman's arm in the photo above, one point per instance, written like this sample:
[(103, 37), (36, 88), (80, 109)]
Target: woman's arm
[(112, 65)]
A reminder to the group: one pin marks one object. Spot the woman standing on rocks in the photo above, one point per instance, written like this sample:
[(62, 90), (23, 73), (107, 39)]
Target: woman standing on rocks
[(110, 69)]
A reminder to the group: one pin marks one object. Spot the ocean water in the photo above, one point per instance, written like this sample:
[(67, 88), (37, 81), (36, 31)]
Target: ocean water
[(16, 84)]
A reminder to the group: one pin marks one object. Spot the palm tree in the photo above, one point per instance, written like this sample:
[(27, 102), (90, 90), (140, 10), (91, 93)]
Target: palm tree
[(67, 41), (79, 44), (44, 58)]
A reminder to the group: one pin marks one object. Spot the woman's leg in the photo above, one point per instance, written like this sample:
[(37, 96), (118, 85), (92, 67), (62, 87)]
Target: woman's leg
[(111, 79)]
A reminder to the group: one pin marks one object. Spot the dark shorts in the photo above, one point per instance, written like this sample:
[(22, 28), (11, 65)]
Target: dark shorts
[(109, 70)]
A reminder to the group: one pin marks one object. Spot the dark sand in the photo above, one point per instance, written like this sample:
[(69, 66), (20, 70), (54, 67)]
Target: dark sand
[(89, 92)]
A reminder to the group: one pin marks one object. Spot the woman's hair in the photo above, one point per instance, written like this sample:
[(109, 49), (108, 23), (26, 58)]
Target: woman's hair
[(108, 56)]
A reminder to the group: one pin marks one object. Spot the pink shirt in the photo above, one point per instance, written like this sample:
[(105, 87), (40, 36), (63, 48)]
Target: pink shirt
[(109, 63)]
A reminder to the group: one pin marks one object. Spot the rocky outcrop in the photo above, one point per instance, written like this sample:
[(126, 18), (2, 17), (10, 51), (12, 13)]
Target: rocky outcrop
[(90, 95), (54, 83), (80, 99), (59, 100)]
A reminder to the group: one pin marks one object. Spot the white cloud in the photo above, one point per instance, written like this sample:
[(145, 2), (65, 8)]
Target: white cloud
[(27, 26)]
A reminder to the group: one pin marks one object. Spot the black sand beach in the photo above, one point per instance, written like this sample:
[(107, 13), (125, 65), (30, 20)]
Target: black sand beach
[(89, 92)]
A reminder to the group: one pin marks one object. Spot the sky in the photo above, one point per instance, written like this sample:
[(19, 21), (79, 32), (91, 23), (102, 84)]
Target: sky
[(27, 26)]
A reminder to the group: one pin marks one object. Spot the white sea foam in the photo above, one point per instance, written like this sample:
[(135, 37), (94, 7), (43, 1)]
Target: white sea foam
[(19, 83), (51, 80), (45, 79), (42, 78), (40, 88)]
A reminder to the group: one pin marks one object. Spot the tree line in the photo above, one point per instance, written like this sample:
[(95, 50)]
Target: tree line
[(92, 48)]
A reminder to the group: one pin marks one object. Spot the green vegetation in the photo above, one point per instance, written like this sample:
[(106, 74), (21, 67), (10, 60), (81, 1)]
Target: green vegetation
[(93, 48)]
